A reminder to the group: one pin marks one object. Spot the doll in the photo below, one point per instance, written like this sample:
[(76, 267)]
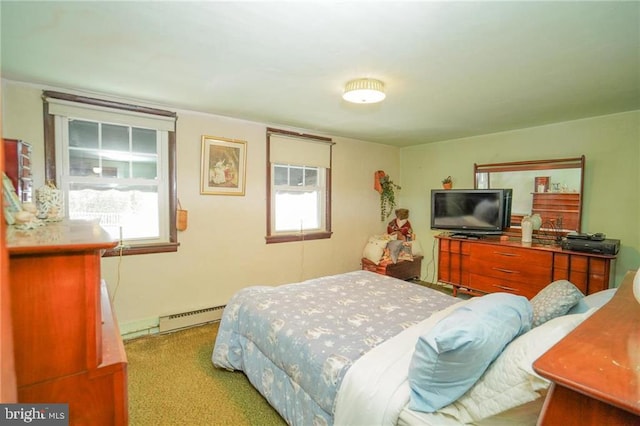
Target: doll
[(400, 226)]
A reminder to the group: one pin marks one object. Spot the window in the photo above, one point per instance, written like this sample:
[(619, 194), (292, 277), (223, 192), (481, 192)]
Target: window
[(299, 176), (113, 163)]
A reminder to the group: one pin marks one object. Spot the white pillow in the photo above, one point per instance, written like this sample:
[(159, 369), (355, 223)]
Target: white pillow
[(510, 381), (375, 248), (593, 300), (416, 248)]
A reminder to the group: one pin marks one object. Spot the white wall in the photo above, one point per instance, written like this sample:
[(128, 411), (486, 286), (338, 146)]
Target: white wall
[(223, 248), (611, 145)]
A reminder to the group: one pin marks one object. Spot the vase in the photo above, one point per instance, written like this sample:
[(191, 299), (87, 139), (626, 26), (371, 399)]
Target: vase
[(447, 185), (49, 203), (536, 220), (527, 229)]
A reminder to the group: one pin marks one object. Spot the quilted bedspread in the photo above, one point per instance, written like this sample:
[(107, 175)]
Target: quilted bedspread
[(295, 342)]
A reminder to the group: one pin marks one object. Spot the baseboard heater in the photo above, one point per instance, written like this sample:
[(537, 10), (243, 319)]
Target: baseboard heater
[(190, 319)]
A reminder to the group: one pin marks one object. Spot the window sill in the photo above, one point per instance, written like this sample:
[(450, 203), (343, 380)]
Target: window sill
[(272, 239), (142, 249)]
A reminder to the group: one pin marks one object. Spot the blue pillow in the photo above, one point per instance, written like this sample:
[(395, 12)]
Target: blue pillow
[(450, 357)]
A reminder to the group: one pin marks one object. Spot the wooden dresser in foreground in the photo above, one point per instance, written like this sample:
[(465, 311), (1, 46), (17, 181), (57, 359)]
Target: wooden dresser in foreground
[(490, 265), (67, 344), (595, 370)]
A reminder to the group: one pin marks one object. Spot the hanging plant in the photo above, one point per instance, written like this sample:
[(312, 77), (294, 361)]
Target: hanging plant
[(387, 189)]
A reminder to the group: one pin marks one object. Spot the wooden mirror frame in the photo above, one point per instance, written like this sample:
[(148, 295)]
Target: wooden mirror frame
[(554, 207)]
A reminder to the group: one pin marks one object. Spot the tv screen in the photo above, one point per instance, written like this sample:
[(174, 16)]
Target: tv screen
[(471, 211)]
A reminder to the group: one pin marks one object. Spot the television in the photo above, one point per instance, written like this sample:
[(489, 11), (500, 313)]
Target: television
[(471, 211)]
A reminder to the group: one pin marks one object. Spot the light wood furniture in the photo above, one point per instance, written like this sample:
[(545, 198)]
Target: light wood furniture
[(404, 270), (594, 370), (558, 210), (67, 344), (490, 265)]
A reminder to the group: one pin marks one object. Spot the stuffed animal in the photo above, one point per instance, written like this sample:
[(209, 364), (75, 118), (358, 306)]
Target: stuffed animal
[(400, 226)]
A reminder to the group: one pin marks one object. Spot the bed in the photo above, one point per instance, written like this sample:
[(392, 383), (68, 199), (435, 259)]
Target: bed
[(343, 349)]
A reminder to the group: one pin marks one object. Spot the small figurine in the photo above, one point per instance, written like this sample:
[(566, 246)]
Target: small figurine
[(400, 226)]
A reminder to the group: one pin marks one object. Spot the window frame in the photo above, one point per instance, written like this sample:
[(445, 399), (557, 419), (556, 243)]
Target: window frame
[(51, 167), (319, 189), (326, 233)]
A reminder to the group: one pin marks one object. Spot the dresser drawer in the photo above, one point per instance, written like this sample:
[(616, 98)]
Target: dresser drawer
[(511, 269), (580, 263), (489, 284), (514, 257), (537, 275)]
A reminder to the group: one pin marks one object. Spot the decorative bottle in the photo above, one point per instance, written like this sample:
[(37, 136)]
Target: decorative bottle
[(536, 220), (527, 229)]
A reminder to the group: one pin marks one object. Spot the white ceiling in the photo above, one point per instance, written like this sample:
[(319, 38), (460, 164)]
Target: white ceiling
[(451, 69)]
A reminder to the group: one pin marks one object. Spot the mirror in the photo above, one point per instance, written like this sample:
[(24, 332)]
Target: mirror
[(551, 188)]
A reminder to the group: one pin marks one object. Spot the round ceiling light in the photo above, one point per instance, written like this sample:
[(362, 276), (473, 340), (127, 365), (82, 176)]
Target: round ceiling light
[(364, 91)]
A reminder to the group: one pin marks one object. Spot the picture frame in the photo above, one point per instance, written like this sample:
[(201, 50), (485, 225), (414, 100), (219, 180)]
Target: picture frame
[(223, 166)]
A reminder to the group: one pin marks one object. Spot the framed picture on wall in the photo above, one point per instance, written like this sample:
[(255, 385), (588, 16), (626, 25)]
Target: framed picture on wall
[(223, 166)]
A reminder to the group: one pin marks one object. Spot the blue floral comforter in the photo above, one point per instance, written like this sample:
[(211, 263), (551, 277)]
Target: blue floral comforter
[(295, 342)]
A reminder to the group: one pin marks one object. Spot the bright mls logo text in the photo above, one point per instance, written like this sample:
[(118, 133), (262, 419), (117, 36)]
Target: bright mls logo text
[(39, 414)]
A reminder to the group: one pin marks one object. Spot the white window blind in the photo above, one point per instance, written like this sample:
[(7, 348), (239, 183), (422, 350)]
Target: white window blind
[(300, 152), (71, 109)]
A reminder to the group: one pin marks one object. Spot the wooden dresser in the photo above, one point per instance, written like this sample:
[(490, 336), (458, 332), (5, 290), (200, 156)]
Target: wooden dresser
[(595, 370), (67, 344), (561, 209), (489, 265)]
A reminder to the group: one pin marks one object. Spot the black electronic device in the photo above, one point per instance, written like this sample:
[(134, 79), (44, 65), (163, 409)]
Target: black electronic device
[(599, 246), (599, 236), (471, 211)]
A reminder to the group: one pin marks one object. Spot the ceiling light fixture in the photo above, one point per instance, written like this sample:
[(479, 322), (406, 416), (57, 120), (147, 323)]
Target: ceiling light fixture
[(364, 91)]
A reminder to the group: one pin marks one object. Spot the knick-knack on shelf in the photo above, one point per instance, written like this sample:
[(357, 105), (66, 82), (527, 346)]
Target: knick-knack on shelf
[(527, 229), (49, 203), (536, 220), (447, 182)]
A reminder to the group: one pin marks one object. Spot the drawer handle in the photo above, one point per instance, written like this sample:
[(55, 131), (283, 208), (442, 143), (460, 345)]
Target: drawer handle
[(503, 253), (502, 287), (506, 271)]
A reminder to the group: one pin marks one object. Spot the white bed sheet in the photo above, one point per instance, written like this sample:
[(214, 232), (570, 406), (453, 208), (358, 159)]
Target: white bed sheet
[(376, 390), (524, 415)]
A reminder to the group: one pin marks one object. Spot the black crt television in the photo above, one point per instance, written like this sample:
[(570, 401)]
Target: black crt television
[(471, 211)]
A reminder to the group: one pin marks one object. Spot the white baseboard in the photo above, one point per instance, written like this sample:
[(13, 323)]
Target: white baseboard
[(139, 328)]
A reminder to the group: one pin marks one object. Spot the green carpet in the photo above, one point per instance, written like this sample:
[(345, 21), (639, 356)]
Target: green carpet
[(173, 382)]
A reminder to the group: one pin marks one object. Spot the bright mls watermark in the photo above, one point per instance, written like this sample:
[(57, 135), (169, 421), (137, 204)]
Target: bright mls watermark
[(34, 414)]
